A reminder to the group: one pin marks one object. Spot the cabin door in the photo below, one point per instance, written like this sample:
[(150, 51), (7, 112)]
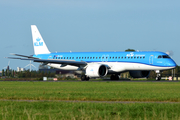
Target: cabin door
[(151, 59)]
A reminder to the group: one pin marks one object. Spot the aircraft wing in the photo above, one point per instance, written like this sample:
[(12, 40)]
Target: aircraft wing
[(24, 56), (46, 61)]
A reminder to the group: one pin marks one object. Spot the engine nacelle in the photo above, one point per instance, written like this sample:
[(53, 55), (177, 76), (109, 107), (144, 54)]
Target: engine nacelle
[(139, 74), (96, 70)]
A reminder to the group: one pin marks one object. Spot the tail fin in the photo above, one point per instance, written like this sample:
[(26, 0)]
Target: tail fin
[(38, 42)]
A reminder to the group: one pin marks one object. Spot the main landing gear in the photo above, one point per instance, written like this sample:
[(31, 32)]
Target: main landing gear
[(84, 78), (114, 77), (158, 77)]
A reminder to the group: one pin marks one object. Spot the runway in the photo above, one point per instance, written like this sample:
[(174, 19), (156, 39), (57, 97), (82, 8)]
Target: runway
[(105, 80)]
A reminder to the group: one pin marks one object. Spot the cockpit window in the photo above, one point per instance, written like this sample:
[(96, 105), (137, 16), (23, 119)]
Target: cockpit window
[(159, 56), (166, 56), (163, 56)]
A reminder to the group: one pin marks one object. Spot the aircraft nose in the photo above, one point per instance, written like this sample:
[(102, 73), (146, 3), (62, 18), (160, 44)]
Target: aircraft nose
[(171, 63)]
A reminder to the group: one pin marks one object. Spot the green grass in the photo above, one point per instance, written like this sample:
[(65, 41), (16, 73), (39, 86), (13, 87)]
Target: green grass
[(98, 91), (87, 91), (87, 111)]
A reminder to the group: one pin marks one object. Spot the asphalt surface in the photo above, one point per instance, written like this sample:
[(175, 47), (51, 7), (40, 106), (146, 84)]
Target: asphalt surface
[(105, 80)]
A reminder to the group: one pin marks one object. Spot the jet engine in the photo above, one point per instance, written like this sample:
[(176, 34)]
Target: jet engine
[(96, 70), (139, 74)]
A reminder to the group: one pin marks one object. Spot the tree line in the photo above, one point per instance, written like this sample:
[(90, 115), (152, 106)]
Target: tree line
[(26, 74)]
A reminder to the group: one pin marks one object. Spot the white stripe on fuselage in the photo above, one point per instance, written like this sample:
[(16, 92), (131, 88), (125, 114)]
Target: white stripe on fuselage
[(115, 66)]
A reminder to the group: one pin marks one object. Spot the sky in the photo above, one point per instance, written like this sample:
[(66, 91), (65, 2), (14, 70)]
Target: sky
[(89, 25)]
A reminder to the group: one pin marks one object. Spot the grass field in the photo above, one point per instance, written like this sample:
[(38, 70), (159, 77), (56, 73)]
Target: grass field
[(99, 91), (87, 111), (89, 91)]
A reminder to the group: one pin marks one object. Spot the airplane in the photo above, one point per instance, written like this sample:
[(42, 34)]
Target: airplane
[(99, 64)]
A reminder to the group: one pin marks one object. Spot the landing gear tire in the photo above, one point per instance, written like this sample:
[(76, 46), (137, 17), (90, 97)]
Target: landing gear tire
[(158, 78), (114, 77), (87, 78), (84, 78), (117, 77)]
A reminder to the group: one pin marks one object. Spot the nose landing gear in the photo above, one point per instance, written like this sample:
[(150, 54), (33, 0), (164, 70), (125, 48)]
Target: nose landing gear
[(158, 78)]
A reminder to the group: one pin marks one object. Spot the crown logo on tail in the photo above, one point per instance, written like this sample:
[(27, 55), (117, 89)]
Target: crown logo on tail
[(38, 39)]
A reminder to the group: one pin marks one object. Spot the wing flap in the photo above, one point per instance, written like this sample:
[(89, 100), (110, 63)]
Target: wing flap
[(69, 62)]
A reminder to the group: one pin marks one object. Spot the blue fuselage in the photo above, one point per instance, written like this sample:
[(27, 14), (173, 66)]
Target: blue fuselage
[(159, 59)]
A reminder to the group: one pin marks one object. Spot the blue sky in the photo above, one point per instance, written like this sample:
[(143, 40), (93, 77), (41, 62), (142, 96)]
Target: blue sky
[(89, 25)]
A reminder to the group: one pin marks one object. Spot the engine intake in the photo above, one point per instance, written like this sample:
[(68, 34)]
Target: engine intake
[(96, 70)]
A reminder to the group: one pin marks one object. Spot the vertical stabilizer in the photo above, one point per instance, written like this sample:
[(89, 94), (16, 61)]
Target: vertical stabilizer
[(38, 42)]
